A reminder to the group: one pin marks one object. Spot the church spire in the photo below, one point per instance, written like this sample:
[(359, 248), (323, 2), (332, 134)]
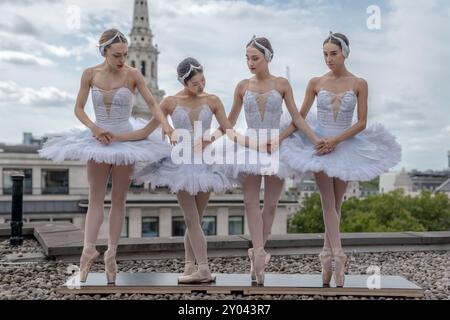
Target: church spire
[(143, 55), (141, 22)]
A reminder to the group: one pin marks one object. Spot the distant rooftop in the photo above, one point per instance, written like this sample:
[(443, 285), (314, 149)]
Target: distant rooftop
[(20, 148)]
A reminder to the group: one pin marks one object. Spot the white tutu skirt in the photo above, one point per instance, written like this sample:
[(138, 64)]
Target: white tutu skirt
[(81, 145), (248, 161), (192, 178), (360, 158), (193, 175)]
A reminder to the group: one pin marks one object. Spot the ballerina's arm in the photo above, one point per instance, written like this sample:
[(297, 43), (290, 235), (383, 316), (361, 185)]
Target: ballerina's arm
[(149, 128), (360, 125), (154, 108), (297, 118), (102, 135), (235, 110), (308, 101)]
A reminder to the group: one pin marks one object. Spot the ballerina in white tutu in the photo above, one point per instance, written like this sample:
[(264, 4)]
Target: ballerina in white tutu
[(349, 152), (262, 98), (191, 177), (112, 84)]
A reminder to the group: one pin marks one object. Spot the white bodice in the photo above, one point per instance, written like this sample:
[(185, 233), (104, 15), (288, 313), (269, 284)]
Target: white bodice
[(185, 117), (335, 111), (113, 109), (263, 111)]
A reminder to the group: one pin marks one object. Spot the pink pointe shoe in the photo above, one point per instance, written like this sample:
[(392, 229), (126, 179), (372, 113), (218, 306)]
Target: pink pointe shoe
[(261, 259), (111, 265), (87, 260), (251, 255), (340, 264), (202, 275), (325, 258), (189, 268)]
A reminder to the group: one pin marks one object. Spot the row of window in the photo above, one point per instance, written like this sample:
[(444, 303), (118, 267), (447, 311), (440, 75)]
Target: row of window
[(144, 68), (53, 181), (150, 225)]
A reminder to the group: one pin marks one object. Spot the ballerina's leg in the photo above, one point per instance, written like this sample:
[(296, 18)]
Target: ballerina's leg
[(273, 186), (251, 187)]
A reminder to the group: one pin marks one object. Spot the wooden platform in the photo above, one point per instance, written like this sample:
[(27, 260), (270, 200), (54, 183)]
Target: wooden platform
[(298, 284)]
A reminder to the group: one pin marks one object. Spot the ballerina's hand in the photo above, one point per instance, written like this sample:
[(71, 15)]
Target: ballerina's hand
[(264, 147), (328, 146), (102, 136), (201, 145), (107, 138), (167, 130), (209, 139), (112, 137), (273, 145)]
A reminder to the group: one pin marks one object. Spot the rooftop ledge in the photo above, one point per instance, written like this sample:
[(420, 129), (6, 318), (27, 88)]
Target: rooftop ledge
[(62, 240)]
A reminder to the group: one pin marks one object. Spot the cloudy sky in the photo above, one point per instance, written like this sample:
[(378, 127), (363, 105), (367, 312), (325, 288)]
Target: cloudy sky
[(404, 56)]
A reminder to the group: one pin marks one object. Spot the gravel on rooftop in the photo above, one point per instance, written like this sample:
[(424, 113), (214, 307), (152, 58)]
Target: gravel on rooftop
[(40, 280)]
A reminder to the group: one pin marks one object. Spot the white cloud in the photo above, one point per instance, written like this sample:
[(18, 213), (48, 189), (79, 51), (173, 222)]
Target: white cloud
[(405, 63), (446, 130), (12, 93), (22, 58)]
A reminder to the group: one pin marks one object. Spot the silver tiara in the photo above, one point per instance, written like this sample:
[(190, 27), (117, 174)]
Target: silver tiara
[(344, 46), (267, 53), (188, 73), (103, 45)]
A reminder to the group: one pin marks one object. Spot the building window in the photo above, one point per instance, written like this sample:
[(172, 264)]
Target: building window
[(27, 181), (143, 68), (55, 181), (178, 227), (136, 188), (235, 225), (153, 70), (38, 220), (63, 220), (124, 233), (150, 227), (209, 226), (133, 63)]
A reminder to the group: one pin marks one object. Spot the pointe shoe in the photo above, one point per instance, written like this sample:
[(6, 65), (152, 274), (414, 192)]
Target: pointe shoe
[(251, 255), (110, 265), (189, 268), (86, 261), (202, 275), (261, 259), (340, 263), (325, 258)]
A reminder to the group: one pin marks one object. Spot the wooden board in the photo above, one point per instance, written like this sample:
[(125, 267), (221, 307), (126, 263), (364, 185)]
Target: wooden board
[(293, 284)]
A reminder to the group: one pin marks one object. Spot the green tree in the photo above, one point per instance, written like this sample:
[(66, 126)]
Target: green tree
[(390, 212)]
